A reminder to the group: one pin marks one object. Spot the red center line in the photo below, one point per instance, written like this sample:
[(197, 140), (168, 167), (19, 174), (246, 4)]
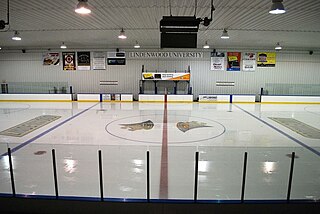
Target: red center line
[(163, 193)]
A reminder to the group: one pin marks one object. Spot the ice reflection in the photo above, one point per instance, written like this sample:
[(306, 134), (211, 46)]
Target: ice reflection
[(137, 166), (70, 166), (6, 163), (269, 167), (203, 166), (137, 170), (203, 178), (137, 162), (126, 188)]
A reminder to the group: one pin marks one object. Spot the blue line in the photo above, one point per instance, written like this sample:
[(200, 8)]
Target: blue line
[(282, 132), (45, 132)]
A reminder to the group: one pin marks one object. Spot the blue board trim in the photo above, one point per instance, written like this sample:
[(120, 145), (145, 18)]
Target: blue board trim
[(173, 201)]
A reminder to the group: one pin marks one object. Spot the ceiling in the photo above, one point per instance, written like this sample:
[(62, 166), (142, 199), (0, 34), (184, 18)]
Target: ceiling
[(47, 23)]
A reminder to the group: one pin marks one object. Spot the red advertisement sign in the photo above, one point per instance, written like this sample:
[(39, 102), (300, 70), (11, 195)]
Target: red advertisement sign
[(234, 59)]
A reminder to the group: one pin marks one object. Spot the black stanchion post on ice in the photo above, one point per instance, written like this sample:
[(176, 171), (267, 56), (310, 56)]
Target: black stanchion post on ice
[(148, 177), (244, 176), (261, 93), (11, 173), (100, 174), (71, 92), (290, 176), (196, 177), (55, 173)]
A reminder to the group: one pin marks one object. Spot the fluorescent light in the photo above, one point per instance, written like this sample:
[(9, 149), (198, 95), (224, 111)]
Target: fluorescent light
[(225, 34), (277, 7), (136, 45), (278, 46), (63, 46), (16, 36), (206, 46), (82, 7), (122, 34)]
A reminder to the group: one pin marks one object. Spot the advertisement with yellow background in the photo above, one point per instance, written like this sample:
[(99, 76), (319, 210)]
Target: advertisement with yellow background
[(166, 76), (266, 59)]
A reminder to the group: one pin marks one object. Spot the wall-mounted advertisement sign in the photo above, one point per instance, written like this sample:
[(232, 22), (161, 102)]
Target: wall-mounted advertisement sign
[(99, 61), (166, 76), (84, 60), (116, 58), (69, 61), (233, 59), (217, 61), (249, 62), (266, 59), (51, 59)]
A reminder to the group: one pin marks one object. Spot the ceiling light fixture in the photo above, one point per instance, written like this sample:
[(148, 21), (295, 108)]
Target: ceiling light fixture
[(82, 7), (225, 34), (206, 46), (277, 7), (278, 46), (63, 46), (136, 45), (122, 34), (16, 36)]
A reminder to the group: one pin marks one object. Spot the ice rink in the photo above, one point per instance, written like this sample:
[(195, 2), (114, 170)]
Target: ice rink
[(172, 133)]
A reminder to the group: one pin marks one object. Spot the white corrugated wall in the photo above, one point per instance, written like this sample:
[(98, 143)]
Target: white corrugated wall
[(293, 68)]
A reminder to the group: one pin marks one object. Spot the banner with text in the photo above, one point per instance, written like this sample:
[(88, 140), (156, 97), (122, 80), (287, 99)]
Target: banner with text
[(165, 55), (233, 59), (69, 61), (266, 59), (217, 61), (116, 58), (165, 76), (51, 59), (249, 62), (99, 61), (84, 60)]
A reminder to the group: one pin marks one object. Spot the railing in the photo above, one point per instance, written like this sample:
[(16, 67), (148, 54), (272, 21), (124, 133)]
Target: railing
[(135, 173)]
